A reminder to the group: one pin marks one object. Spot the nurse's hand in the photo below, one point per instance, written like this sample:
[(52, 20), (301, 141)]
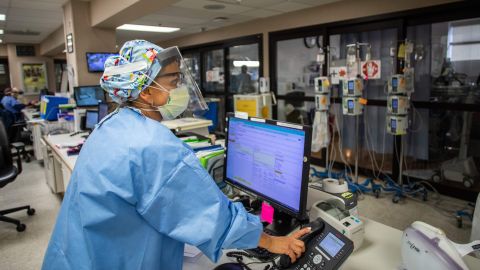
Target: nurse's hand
[(289, 245)]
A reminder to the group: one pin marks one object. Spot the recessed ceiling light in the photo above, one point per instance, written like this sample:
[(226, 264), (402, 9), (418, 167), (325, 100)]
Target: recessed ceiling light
[(214, 7), (1, 41), (3, 17), (148, 28), (220, 19), (1, 31)]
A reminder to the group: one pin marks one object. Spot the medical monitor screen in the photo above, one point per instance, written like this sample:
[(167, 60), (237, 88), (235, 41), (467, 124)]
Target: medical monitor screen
[(395, 104), (91, 119), (393, 123), (96, 61), (331, 244), (266, 159), (89, 95), (350, 104), (394, 83), (350, 86)]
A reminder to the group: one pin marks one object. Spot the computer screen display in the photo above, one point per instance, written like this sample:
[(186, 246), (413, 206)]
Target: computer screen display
[(102, 111), (96, 61), (89, 95), (91, 119), (268, 160)]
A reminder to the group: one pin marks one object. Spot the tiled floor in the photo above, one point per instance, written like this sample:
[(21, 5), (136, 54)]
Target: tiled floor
[(25, 250)]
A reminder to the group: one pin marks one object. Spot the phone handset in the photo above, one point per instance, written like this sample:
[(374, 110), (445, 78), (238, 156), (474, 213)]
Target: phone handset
[(317, 227)]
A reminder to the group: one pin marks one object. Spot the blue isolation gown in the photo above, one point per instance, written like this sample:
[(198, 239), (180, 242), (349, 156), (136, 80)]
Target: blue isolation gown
[(136, 195)]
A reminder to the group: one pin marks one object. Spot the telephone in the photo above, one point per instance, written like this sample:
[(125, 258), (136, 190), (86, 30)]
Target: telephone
[(325, 248)]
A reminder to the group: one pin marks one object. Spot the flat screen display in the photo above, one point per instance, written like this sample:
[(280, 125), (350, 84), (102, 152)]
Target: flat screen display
[(89, 95), (91, 119), (331, 244), (267, 160), (96, 61)]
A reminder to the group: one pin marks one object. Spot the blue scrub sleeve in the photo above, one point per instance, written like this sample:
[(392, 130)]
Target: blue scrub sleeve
[(190, 208)]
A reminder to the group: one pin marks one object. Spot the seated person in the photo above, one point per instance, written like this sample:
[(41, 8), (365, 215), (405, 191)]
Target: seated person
[(10, 101)]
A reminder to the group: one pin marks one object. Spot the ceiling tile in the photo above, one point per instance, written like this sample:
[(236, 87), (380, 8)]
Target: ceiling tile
[(288, 6), (261, 13), (199, 4), (252, 3), (37, 5), (315, 2)]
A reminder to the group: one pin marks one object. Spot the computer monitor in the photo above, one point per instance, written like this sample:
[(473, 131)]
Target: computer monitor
[(271, 160), (91, 119), (102, 111), (86, 96)]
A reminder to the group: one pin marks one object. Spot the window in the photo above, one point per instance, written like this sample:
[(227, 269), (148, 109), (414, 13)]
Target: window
[(193, 62), (447, 61), (214, 71), (297, 67), (244, 68)]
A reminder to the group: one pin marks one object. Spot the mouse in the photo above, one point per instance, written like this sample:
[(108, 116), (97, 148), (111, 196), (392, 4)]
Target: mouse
[(230, 266)]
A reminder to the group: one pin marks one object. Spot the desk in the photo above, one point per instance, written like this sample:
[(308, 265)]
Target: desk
[(198, 126), (59, 165), (39, 127), (380, 250)]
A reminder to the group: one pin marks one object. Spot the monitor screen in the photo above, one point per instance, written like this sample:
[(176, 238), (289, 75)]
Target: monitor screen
[(394, 83), (89, 95), (102, 111), (91, 119), (394, 104), (331, 244), (351, 86), (350, 104), (96, 61), (393, 123), (267, 159)]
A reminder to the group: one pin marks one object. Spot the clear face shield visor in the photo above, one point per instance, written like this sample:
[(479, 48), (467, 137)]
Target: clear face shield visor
[(174, 75)]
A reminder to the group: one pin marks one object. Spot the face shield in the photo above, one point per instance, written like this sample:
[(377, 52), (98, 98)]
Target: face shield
[(172, 75), (175, 75)]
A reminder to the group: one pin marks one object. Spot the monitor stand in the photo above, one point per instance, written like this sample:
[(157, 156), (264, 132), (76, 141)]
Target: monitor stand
[(282, 224)]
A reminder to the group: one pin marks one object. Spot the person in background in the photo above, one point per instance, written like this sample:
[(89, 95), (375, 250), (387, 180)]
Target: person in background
[(244, 79), (10, 101)]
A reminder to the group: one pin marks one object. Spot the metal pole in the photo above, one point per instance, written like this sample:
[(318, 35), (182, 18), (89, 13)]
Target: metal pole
[(400, 171), (356, 147)]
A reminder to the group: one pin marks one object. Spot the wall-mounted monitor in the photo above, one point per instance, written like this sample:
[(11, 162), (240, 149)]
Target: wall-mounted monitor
[(96, 61)]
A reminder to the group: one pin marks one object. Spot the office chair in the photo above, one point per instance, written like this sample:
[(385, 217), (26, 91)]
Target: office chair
[(8, 174), (16, 132)]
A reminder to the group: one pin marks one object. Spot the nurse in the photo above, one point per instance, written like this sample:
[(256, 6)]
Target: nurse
[(137, 194)]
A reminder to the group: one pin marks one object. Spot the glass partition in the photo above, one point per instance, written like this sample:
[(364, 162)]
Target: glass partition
[(213, 67), (297, 66), (193, 62), (244, 68)]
